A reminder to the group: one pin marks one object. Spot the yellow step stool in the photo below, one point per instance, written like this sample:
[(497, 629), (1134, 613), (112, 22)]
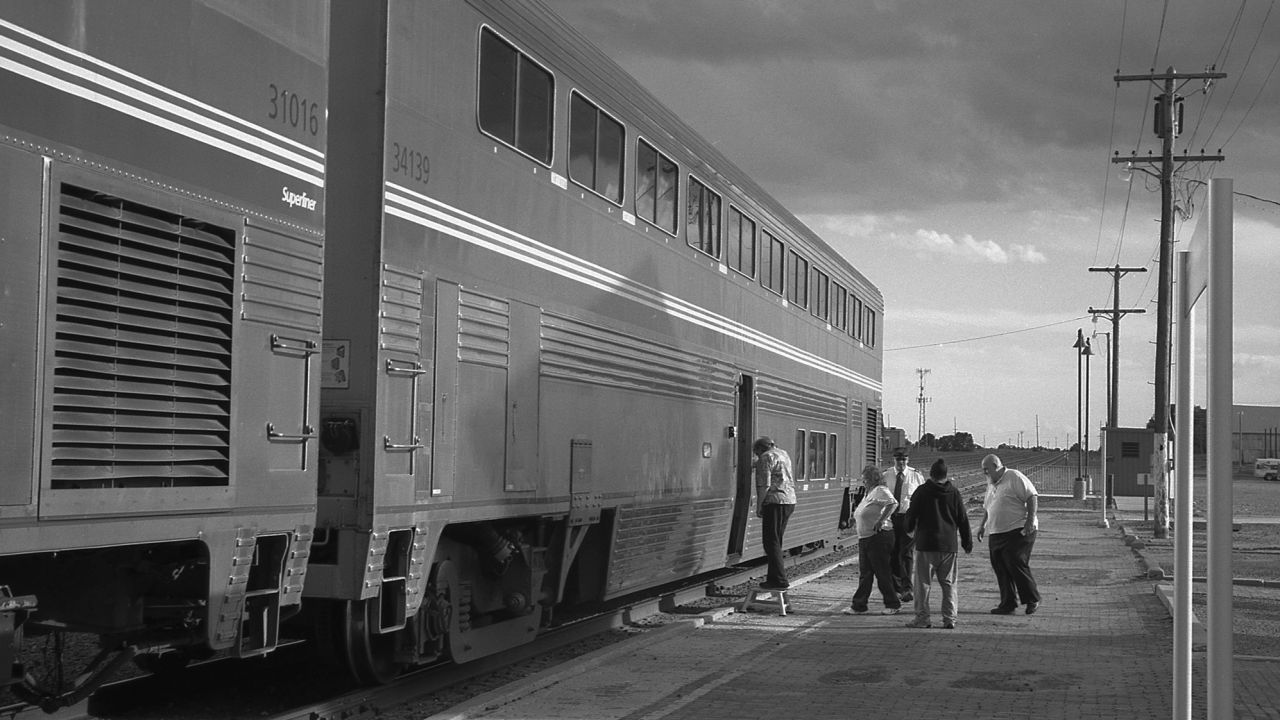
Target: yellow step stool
[(762, 599)]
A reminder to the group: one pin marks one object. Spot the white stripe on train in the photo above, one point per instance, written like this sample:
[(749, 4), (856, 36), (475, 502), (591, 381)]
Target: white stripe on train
[(290, 157), (427, 212)]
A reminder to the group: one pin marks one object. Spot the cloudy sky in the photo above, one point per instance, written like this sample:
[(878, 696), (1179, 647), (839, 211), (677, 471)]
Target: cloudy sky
[(958, 153)]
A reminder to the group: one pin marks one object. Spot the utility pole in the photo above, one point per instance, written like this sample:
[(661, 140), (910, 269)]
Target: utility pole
[(1167, 126), (922, 400), (1114, 355)]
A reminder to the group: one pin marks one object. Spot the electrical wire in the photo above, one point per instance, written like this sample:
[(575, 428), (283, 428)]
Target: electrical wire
[(1265, 80), (1240, 76), (1111, 140), (988, 337)]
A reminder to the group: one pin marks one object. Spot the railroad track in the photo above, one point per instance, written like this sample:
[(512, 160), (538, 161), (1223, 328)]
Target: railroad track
[(223, 677)]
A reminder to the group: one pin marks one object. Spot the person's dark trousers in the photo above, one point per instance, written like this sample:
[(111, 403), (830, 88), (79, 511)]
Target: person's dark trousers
[(1011, 561), (775, 517), (902, 563), (873, 562)]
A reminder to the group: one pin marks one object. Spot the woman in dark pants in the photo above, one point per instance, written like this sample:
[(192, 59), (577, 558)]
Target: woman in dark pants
[(875, 544)]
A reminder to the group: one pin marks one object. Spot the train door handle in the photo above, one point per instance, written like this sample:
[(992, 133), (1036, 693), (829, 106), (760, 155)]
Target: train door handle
[(308, 433)]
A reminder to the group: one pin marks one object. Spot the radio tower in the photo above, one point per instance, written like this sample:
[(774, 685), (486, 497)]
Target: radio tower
[(922, 400)]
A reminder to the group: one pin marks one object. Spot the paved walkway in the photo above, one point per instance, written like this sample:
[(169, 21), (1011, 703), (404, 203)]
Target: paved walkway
[(1099, 647)]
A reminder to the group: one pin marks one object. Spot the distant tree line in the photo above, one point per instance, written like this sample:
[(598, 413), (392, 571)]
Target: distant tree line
[(960, 442)]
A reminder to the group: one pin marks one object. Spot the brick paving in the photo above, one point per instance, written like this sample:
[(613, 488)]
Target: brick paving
[(1100, 646)]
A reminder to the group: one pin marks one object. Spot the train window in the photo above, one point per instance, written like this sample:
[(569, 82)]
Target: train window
[(831, 456), (657, 184), (595, 149), (703, 219), (799, 467), (869, 331), (740, 253), (857, 319), (817, 455), (798, 292), (514, 98), (772, 268), (821, 295), (839, 307)]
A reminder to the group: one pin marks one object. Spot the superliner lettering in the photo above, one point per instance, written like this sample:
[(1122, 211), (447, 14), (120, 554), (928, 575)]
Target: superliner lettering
[(293, 199)]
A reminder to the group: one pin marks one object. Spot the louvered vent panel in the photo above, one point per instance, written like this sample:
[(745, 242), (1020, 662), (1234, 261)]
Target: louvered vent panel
[(873, 436), (141, 391), (484, 329), (789, 397)]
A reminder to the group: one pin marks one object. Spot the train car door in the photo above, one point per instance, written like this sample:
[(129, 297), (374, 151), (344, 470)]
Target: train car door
[(745, 434)]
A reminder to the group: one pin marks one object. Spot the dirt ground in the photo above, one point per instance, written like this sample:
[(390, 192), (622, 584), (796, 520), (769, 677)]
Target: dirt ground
[(1255, 562)]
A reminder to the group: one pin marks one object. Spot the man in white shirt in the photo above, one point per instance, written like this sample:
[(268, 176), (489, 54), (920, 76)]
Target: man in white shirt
[(1009, 520), (902, 480)]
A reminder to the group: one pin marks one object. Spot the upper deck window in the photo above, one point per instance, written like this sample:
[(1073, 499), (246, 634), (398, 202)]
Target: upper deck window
[(839, 307), (869, 330), (772, 263), (703, 219), (596, 149), (798, 292), (821, 295), (740, 253), (515, 98), (657, 185)]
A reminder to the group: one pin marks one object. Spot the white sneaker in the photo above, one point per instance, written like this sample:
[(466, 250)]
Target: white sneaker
[(851, 611), (890, 611)]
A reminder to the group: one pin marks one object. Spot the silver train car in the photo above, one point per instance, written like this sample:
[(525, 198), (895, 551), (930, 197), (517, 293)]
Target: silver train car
[(555, 319), (161, 272), (407, 325)]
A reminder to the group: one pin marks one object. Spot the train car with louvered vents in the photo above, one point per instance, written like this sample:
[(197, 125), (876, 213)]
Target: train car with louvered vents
[(555, 319), (161, 230)]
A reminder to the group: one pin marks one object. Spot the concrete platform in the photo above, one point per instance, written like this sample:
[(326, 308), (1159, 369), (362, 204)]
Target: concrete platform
[(1100, 646)]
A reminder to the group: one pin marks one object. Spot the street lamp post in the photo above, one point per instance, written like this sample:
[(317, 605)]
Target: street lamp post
[(1087, 352), (1107, 424), (1079, 345)]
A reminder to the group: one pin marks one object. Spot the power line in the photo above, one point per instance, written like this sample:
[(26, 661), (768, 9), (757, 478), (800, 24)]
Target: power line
[(988, 337)]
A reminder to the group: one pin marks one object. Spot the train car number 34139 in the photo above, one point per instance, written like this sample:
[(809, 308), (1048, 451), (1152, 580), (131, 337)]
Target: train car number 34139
[(412, 164)]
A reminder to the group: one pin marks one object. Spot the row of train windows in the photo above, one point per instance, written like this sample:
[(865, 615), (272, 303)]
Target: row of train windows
[(516, 107), (815, 456)]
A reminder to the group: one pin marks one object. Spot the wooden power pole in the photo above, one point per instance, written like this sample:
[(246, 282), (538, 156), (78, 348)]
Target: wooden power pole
[(1167, 125)]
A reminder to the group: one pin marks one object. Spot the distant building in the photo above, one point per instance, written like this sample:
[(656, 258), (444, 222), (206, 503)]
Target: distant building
[(890, 439), (1255, 432)]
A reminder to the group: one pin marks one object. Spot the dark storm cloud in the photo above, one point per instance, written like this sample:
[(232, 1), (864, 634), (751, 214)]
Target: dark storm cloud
[(891, 104)]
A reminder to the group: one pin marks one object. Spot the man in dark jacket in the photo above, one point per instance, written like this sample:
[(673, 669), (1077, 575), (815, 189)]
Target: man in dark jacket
[(937, 518)]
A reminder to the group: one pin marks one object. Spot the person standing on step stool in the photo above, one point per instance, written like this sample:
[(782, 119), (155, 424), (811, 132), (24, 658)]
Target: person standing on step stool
[(936, 519), (903, 480), (775, 501), (875, 544)]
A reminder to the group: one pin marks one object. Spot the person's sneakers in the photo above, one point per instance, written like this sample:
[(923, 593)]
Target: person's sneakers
[(854, 611), (919, 623), (771, 585), (890, 611), (997, 610), (948, 624), (1032, 607)]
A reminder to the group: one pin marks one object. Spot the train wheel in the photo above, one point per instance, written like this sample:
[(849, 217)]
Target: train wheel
[(368, 655)]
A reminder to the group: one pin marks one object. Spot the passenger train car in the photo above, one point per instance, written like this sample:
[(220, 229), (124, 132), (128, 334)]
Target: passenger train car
[(422, 317), (161, 269)]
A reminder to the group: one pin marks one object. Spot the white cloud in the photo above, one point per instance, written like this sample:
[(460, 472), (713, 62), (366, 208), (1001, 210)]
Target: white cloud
[(1028, 254), (966, 246)]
